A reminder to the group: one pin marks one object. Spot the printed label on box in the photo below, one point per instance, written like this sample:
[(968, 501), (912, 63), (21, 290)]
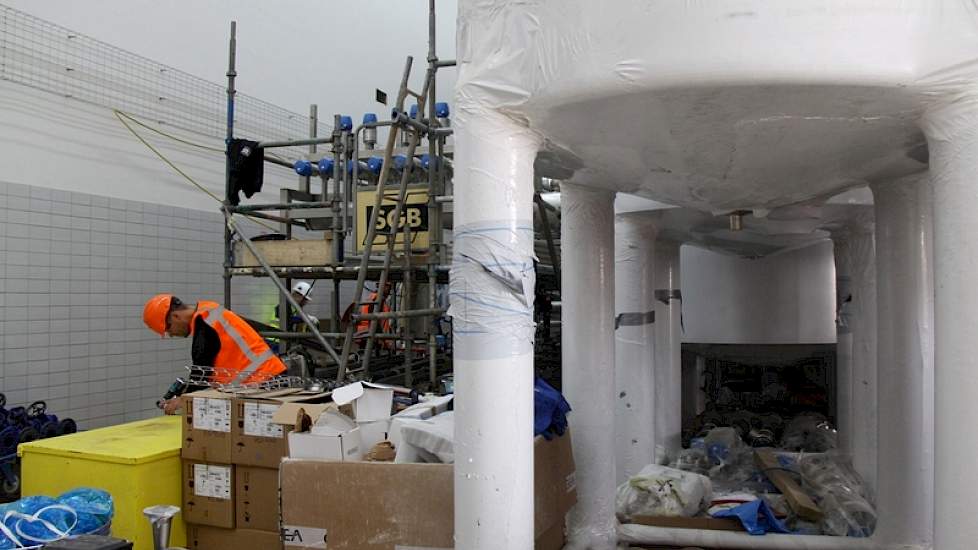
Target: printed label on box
[(304, 537), (571, 482), (212, 414), (258, 420), (212, 481)]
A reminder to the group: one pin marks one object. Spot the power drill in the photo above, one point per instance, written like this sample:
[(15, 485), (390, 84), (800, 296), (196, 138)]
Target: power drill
[(177, 388)]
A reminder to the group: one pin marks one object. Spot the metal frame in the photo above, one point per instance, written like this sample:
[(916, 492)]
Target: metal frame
[(341, 199)]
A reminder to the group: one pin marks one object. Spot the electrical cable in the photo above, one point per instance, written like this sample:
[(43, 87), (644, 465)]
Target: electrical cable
[(164, 134), (120, 115)]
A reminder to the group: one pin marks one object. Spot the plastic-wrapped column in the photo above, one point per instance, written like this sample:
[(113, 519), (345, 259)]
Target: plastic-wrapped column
[(855, 264), (668, 348), (634, 343), (905, 305), (843, 348), (952, 134), (588, 351), (492, 290)]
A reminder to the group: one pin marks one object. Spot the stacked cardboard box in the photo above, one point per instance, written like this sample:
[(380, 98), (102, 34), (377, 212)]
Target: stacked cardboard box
[(231, 453), (386, 506)]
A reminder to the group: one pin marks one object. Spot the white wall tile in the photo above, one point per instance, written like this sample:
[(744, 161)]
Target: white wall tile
[(76, 271)]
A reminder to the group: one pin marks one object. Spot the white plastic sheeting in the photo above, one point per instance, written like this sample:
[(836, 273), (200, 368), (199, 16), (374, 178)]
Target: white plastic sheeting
[(588, 355), (855, 264), (905, 301), (952, 133), (492, 282), (777, 103), (634, 343), (668, 349)]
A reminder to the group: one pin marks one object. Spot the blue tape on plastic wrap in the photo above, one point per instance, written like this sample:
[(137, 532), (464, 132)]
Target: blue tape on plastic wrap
[(492, 290)]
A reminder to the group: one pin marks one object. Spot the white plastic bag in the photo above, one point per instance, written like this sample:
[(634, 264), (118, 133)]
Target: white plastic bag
[(663, 491)]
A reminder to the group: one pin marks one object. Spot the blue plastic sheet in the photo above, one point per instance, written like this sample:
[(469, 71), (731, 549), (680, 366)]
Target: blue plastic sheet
[(549, 410), (756, 517), (34, 520)]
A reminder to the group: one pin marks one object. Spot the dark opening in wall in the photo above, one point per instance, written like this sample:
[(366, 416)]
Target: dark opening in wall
[(756, 389)]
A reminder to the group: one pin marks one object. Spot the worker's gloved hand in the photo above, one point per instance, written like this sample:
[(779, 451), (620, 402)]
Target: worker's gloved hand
[(314, 319), (172, 406)]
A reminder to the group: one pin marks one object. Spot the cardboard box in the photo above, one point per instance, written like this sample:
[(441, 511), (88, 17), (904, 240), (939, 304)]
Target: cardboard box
[(256, 439), (256, 498), (207, 427), (409, 505), (369, 401), (202, 537), (427, 409), (373, 432), (320, 432), (208, 494)]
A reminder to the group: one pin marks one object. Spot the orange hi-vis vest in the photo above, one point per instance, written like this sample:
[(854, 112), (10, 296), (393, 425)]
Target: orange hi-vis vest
[(383, 325), (244, 356)]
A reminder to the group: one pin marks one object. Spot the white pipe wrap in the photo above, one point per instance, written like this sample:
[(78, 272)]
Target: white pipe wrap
[(855, 261), (952, 135), (588, 352), (492, 307), (905, 302), (634, 343), (668, 349), (492, 289), (662, 536)]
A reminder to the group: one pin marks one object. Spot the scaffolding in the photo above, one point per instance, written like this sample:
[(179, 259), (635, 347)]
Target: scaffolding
[(339, 210), (406, 345)]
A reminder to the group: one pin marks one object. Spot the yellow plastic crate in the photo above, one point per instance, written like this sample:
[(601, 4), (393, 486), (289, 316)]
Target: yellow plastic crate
[(137, 463)]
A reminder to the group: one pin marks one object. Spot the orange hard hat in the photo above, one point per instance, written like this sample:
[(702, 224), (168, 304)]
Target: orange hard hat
[(155, 312)]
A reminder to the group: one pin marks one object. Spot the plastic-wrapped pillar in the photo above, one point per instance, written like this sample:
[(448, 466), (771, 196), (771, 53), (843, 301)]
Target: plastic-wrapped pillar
[(905, 305), (855, 265), (634, 343), (843, 346), (952, 135), (492, 290), (668, 349), (587, 237)]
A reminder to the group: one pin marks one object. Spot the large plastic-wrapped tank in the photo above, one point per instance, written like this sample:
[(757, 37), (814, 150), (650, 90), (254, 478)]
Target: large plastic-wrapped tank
[(729, 106)]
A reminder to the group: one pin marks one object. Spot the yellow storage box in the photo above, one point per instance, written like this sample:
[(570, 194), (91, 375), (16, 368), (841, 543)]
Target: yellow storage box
[(137, 463)]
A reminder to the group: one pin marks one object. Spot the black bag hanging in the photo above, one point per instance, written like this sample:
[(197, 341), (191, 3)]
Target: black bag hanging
[(247, 168)]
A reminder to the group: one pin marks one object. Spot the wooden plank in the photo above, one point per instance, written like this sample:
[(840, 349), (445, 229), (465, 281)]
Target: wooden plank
[(291, 253), (797, 499), (712, 524)]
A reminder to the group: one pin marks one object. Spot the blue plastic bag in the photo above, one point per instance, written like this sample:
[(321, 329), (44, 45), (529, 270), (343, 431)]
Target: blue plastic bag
[(35, 520), (94, 507), (38, 519), (549, 410), (755, 516)]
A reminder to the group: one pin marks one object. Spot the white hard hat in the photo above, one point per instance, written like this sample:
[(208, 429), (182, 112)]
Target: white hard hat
[(304, 289)]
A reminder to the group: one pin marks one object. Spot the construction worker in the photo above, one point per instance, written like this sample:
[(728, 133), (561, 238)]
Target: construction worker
[(383, 325), (363, 325), (222, 340), (301, 293)]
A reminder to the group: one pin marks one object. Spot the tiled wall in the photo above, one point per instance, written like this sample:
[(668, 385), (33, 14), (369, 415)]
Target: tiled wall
[(76, 270)]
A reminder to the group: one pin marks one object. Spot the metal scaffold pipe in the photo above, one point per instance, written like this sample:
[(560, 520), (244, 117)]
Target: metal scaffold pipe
[(232, 226), (294, 142), (229, 135)]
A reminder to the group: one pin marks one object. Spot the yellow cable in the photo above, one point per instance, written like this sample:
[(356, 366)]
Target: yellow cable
[(181, 140), (120, 115), (164, 134)]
